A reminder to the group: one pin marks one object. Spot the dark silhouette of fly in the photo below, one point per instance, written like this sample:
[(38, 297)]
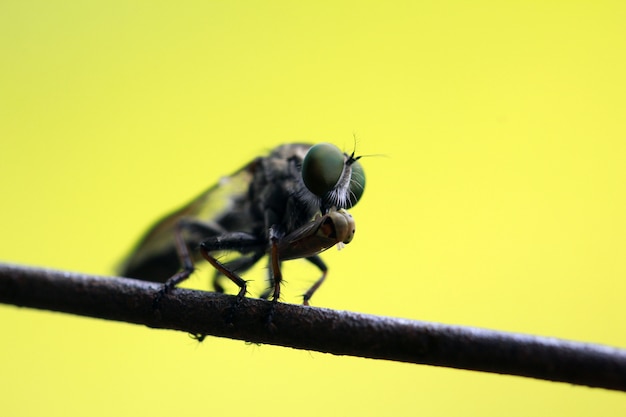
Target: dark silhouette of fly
[(289, 204)]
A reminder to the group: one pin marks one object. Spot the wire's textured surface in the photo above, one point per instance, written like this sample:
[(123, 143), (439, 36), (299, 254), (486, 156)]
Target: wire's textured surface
[(324, 330)]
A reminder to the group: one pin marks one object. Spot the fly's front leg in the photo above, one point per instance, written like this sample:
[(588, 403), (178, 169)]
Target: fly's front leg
[(277, 275), (270, 280), (317, 261)]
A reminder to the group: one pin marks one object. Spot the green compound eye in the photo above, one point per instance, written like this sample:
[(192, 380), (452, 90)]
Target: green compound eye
[(337, 178), (322, 168), (357, 183)]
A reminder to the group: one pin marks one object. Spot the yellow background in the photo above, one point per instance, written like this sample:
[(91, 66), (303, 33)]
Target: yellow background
[(499, 201)]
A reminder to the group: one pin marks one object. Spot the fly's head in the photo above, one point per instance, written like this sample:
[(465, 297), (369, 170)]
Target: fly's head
[(335, 177)]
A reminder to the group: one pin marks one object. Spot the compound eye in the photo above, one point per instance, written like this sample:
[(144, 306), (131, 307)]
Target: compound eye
[(357, 183), (322, 167)]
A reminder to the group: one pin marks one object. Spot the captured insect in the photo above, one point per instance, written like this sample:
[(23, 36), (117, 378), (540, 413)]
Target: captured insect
[(289, 204)]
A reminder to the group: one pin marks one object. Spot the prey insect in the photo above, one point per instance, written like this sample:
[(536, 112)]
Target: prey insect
[(289, 204)]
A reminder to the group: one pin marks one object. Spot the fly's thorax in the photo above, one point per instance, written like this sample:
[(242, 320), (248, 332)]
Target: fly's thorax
[(277, 196)]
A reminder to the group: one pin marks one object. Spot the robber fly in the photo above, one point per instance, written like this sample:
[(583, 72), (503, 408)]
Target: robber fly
[(287, 205)]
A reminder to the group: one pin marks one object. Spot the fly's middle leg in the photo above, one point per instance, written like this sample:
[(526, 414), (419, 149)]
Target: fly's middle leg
[(237, 266), (236, 241), (241, 283)]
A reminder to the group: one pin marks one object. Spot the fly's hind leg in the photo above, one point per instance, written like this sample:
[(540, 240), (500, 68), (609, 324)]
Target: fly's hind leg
[(185, 260), (317, 261), (241, 242), (182, 251)]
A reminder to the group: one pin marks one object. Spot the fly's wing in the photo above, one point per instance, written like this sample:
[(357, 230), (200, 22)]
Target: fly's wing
[(221, 208)]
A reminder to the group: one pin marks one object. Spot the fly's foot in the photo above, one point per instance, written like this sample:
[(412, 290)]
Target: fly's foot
[(269, 321), (171, 283), (231, 312), (165, 288), (199, 337), (236, 305)]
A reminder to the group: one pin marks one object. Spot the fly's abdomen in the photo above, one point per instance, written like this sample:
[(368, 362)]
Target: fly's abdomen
[(157, 268)]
